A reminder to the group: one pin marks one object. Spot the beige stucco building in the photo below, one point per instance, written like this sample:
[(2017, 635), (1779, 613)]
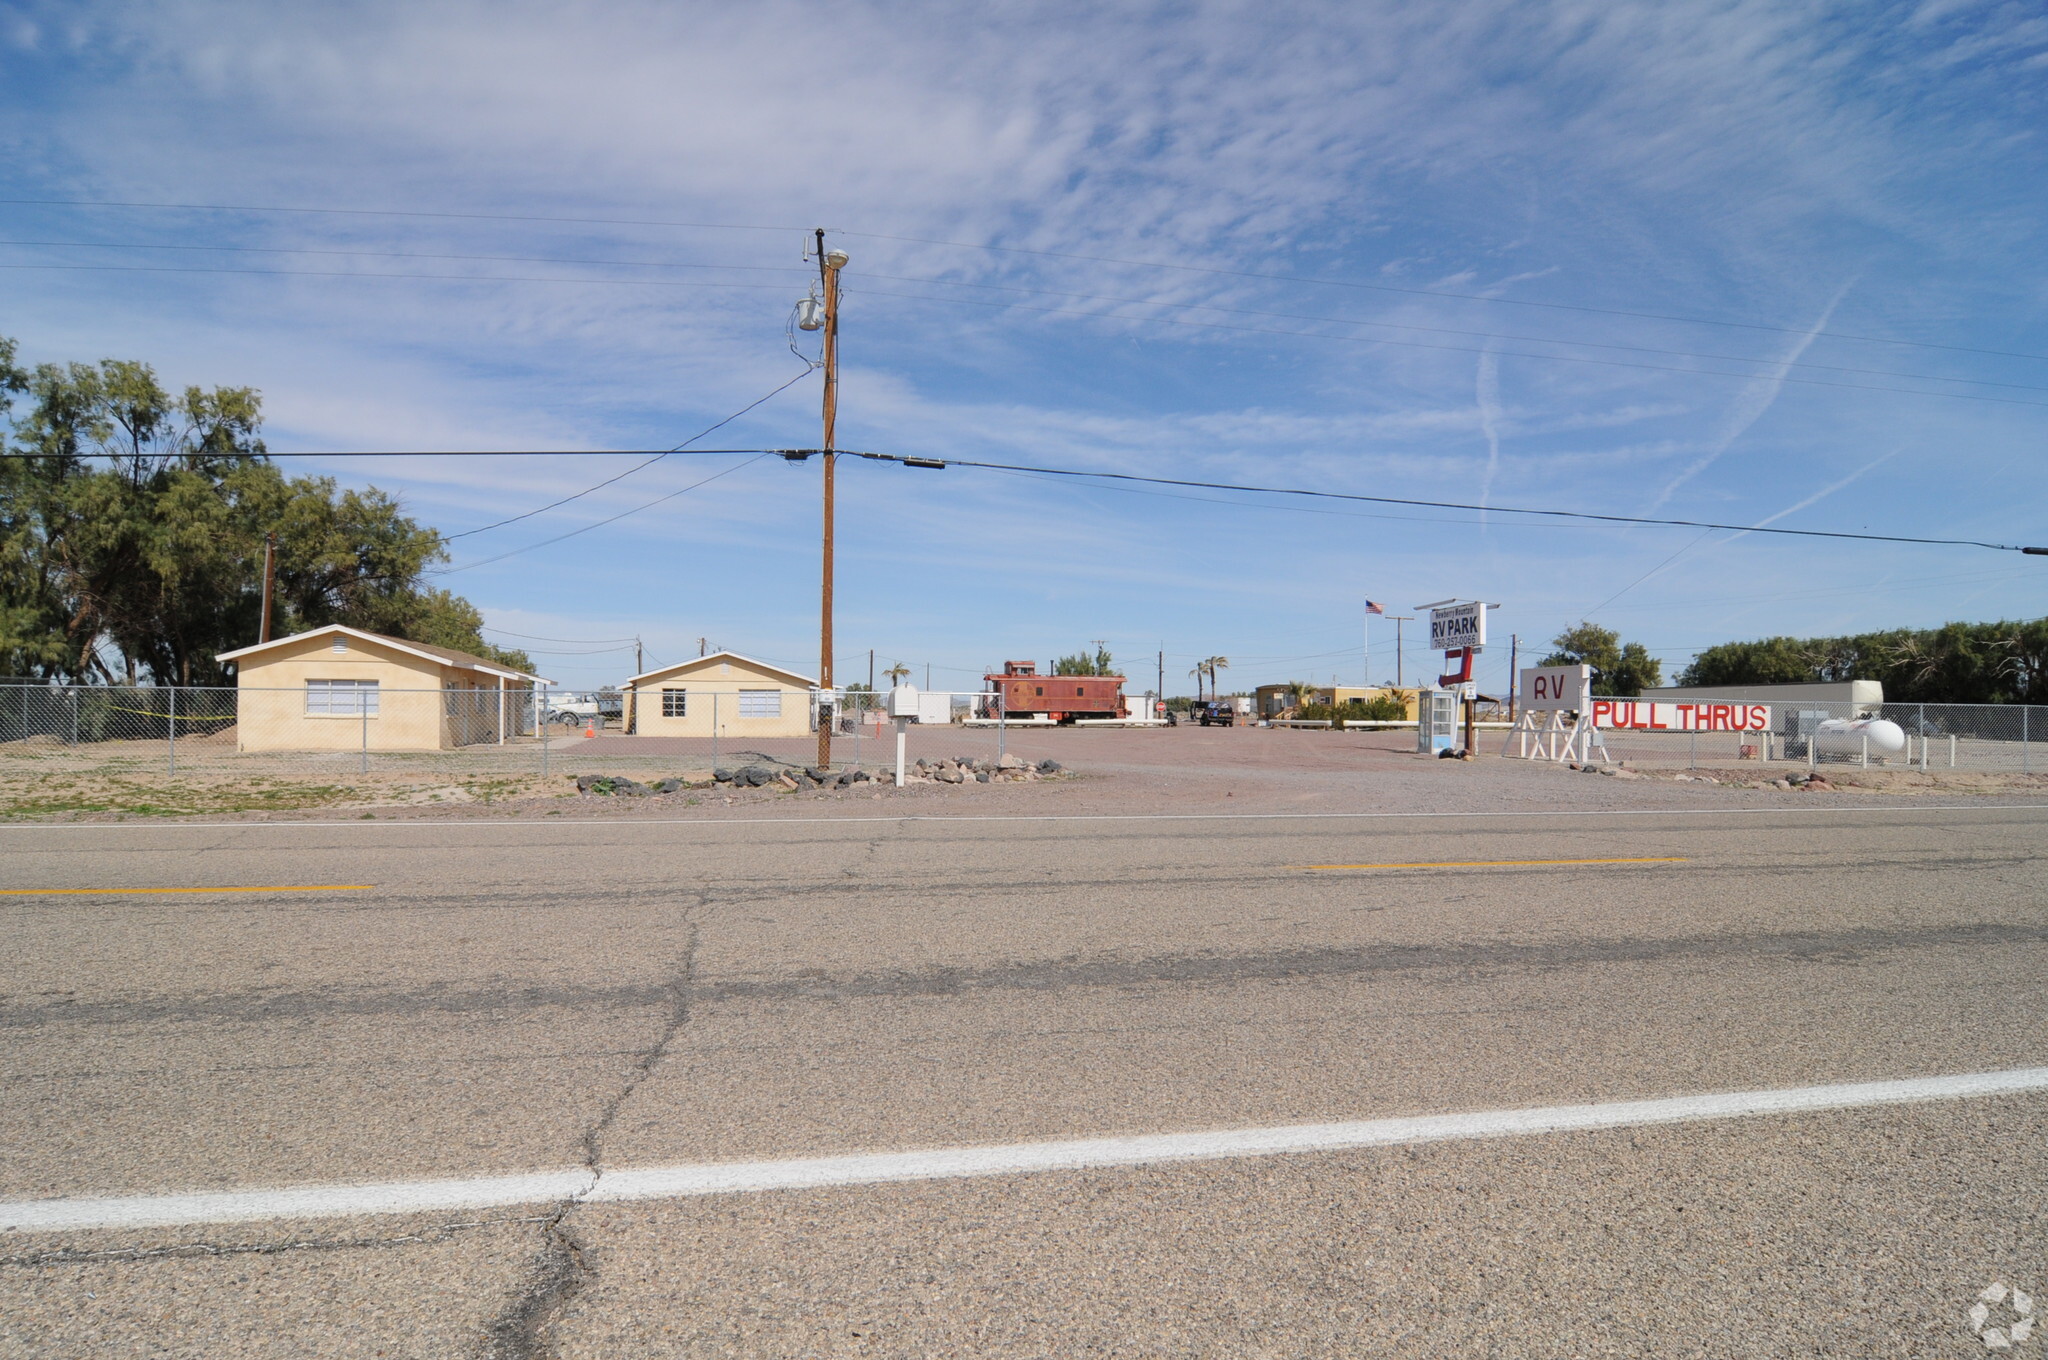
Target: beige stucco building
[(343, 689), (746, 698), (1274, 700)]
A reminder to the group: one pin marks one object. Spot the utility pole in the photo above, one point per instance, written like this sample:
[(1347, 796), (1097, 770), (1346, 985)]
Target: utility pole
[(1161, 693), (639, 658), (1398, 619), (829, 265), (703, 646), (269, 581), (871, 670), (1514, 674)]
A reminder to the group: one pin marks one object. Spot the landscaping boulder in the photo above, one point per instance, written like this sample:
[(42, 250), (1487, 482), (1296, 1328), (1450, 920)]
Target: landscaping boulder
[(608, 785), (982, 777), (722, 776), (1050, 767)]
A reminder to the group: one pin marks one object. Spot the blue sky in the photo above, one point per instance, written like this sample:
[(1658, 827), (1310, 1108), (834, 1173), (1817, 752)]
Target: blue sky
[(1744, 262)]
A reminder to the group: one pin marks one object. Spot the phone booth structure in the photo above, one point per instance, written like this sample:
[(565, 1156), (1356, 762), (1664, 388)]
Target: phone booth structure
[(1436, 720)]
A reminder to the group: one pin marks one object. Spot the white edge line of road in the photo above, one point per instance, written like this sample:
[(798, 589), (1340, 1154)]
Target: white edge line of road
[(529, 823), (812, 1173)]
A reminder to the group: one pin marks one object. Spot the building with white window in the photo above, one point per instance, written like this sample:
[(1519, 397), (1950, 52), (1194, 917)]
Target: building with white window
[(742, 696), (344, 689)]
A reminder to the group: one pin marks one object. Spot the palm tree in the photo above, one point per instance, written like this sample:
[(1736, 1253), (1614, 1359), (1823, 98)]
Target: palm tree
[(897, 672), (1215, 664), (1201, 669), (1299, 692)]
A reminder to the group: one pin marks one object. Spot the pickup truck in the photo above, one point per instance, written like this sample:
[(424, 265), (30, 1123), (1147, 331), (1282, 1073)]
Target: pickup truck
[(1216, 713), (579, 709)]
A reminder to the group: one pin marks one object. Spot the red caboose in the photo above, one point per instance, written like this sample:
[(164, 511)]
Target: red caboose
[(1061, 698)]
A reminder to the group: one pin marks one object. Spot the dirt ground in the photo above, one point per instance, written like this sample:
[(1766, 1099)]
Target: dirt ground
[(1160, 771)]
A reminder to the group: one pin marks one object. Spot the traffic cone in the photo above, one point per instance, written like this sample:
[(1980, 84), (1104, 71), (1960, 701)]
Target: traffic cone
[(590, 727)]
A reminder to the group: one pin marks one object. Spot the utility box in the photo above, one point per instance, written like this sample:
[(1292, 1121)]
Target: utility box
[(903, 702)]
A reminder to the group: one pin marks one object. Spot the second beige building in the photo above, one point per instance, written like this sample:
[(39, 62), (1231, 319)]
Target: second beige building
[(742, 696)]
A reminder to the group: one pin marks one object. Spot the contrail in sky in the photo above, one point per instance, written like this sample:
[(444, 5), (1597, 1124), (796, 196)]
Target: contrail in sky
[(1820, 495), (1755, 400), (1489, 416)]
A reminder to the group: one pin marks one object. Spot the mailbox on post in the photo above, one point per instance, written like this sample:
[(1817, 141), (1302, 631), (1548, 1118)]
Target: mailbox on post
[(902, 707)]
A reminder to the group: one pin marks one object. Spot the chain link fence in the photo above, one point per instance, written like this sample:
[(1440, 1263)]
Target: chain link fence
[(1987, 738), (334, 728)]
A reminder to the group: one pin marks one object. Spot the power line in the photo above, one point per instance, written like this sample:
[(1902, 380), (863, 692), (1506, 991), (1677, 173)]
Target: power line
[(548, 542), (1021, 250), (591, 651), (924, 462), (529, 637), (449, 538), (430, 453), (1436, 505)]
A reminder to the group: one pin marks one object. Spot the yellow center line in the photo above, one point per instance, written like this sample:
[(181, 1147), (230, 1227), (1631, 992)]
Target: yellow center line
[(117, 892), (1504, 863)]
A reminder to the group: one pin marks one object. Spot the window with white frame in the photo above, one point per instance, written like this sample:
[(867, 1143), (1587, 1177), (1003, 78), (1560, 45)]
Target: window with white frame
[(341, 698), (675, 703), (760, 703)]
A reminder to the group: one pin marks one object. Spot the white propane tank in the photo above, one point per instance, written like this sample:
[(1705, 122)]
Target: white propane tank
[(1845, 736)]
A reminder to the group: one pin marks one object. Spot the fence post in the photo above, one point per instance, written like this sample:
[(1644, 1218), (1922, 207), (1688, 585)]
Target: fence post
[(24, 713), (363, 708), (2025, 709), (72, 690), (171, 731), (1923, 739), (541, 722), (1002, 730), (714, 729), (1692, 750)]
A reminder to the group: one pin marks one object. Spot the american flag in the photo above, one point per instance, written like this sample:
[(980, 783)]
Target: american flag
[(1375, 607)]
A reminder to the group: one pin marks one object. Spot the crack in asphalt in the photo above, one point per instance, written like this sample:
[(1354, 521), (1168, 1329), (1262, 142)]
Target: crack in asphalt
[(563, 1266), (1034, 976)]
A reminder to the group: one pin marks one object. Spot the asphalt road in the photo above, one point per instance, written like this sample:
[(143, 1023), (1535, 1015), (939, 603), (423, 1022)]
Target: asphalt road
[(455, 1001)]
